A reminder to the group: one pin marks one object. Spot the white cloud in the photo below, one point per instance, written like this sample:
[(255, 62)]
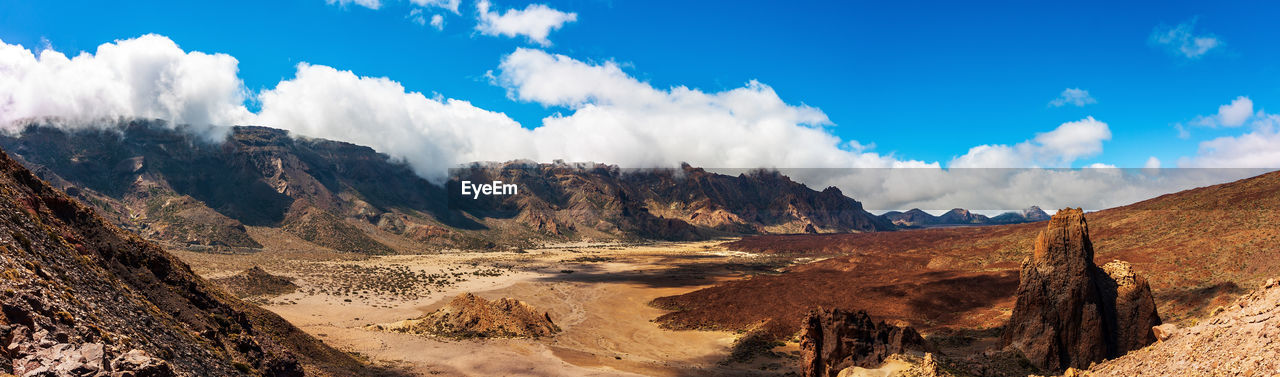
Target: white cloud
[(614, 119), (148, 76), (1073, 96), (534, 22), (432, 135), (1057, 148), (451, 5), (1233, 114), (417, 17), (1073, 140), (371, 4), (1183, 132), (620, 119), (1259, 148), (994, 156), (1152, 163), (1182, 40)]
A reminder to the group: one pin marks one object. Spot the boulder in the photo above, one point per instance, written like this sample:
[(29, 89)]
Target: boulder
[(1165, 331), (137, 363), (835, 339)]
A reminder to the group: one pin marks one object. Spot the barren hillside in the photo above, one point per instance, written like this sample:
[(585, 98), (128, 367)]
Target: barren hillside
[(1199, 248)]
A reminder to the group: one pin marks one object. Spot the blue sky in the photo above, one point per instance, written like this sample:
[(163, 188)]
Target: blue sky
[(953, 75)]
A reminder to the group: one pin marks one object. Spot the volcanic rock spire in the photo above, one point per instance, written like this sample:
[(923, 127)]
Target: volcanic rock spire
[(1067, 309)]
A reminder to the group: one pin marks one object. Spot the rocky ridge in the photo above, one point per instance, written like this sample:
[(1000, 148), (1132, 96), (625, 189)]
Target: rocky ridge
[(169, 185)]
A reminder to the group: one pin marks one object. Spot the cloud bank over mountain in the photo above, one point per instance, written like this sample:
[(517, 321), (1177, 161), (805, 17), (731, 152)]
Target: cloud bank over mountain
[(147, 76), (610, 116)]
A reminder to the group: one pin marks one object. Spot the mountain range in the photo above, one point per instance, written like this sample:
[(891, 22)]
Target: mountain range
[(917, 218), (259, 184)]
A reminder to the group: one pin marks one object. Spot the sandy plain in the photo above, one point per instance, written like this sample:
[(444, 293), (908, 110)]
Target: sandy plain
[(598, 293)]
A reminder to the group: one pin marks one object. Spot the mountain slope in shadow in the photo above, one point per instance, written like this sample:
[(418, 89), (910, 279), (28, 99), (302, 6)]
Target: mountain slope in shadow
[(78, 292)]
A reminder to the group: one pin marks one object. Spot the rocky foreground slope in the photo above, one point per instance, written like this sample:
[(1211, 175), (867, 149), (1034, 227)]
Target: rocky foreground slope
[(80, 296), (1242, 339), (169, 185)]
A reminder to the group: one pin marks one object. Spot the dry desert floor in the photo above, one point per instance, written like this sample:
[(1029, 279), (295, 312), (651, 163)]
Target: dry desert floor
[(598, 294)]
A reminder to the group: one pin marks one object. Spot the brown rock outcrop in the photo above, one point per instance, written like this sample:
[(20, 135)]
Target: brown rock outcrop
[(1069, 312), (469, 316), (1135, 307), (834, 339)]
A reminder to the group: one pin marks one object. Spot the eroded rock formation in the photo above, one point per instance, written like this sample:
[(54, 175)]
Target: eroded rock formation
[(834, 339), (1135, 307), (1070, 312)]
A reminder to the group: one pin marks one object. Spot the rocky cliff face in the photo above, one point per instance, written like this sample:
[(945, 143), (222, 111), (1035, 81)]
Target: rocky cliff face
[(833, 340), (1069, 312), (171, 186), (82, 297), (683, 203)]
